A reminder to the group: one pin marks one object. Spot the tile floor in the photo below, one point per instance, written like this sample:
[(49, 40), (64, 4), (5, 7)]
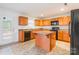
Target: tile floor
[(28, 48)]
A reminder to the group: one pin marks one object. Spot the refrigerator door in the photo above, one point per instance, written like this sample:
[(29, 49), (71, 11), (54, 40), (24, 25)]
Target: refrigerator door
[(75, 32)]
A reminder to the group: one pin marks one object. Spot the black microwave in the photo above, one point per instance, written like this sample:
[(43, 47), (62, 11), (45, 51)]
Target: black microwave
[(55, 23)]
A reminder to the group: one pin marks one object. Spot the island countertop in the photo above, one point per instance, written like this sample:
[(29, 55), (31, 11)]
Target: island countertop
[(43, 32)]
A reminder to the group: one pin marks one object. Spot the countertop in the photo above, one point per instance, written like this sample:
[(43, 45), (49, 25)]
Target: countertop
[(43, 32)]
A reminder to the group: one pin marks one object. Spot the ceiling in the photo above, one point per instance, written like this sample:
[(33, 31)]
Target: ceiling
[(39, 9)]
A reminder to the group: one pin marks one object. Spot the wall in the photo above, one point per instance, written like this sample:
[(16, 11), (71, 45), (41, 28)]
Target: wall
[(12, 35)]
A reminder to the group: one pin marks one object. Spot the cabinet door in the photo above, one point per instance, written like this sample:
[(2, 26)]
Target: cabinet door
[(66, 36), (46, 22), (60, 35), (38, 22), (66, 20), (60, 19), (21, 36), (42, 42), (23, 20), (52, 40)]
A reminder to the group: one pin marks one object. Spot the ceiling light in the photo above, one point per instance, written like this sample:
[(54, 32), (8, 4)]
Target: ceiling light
[(42, 15), (62, 9)]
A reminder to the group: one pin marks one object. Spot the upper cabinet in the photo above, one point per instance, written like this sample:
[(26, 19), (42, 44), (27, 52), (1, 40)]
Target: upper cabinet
[(46, 22), (23, 20), (66, 20), (38, 22), (63, 20), (60, 19), (43, 22)]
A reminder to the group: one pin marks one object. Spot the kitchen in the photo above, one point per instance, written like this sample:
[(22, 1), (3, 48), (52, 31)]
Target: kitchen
[(55, 25), (39, 33)]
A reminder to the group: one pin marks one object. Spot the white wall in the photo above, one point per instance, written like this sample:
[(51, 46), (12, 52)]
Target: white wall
[(9, 36)]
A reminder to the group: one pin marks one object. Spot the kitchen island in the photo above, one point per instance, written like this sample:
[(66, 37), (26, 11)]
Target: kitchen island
[(45, 40)]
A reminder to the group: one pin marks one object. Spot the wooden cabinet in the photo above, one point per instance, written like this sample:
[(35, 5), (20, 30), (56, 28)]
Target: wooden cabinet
[(60, 19), (21, 36), (46, 42), (52, 40), (23, 20), (46, 22), (38, 22), (60, 35), (63, 35), (42, 22), (64, 20), (24, 35), (66, 36)]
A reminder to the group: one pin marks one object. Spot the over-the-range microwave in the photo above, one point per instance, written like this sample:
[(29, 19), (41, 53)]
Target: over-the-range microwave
[(54, 22)]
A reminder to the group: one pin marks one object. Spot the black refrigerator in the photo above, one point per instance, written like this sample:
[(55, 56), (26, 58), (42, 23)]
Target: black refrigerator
[(74, 32)]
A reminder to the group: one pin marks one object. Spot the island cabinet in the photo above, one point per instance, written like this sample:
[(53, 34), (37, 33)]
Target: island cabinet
[(52, 40), (45, 40)]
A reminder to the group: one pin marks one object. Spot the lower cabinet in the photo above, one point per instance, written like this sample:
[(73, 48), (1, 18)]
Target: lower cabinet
[(21, 36), (60, 35), (63, 35), (66, 36), (24, 35)]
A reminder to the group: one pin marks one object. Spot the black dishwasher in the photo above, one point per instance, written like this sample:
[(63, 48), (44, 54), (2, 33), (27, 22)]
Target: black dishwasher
[(27, 35)]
